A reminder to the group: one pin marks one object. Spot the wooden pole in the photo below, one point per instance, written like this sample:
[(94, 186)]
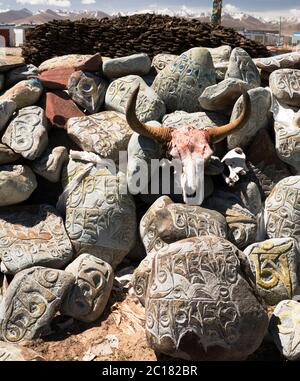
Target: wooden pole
[(216, 15)]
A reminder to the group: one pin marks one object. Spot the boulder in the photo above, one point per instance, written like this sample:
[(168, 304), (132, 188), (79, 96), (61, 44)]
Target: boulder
[(161, 60), (19, 74), (9, 62), (24, 93), (7, 155), (280, 61), (85, 62), (56, 78), (7, 108), (138, 64), (285, 86)]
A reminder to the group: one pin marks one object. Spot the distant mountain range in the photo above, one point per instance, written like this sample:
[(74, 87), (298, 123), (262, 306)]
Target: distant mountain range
[(236, 19)]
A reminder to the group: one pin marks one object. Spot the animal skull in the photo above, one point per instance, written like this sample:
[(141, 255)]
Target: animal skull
[(236, 163), (189, 144)]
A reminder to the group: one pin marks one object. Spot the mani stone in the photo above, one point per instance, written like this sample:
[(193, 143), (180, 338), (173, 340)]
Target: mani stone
[(33, 236), (93, 284), (259, 117), (220, 57), (8, 62), (274, 265), (100, 219), (249, 195), (77, 61), (24, 93), (49, 165), (160, 61), (282, 217), (285, 329), (87, 90), (27, 133), (17, 182), (57, 78), (7, 108), (106, 133), (137, 64), (13, 352), (280, 61), (285, 86), (18, 74), (181, 83), (200, 304), (31, 302), (149, 105), (222, 96), (241, 66)]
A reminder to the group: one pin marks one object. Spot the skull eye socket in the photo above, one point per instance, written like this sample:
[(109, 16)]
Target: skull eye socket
[(239, 151)]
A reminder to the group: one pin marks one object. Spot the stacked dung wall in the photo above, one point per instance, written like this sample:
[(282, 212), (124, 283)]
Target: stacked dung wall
[(122, 36)]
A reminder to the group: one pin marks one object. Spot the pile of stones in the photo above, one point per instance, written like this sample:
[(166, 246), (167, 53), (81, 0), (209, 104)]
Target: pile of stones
[(216, 279), (122, 36)]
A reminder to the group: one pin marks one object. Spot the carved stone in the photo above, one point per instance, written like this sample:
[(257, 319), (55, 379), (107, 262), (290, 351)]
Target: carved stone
[(241, 66), (31, 302), (138, 64), (199, 303), (220, 57), (49, 165), (280, 61), (274, 264), (106, 133), (100, 220), (17, 182), (7, 155), (87, 90), (27, 133), (259, 117), (33, 236), (249, 194), (285, 85), (7, 108), (18, 74), (181, 83), (13, 352), (160, 61), (88, 297), (85, 62), (149, 105), (24, 93), (284, 328)]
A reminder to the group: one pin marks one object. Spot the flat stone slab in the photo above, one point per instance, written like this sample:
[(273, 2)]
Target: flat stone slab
[(27, 132), (31, 302), (88, 297), (33, 236), (281, 61), (8, 62), (138, 64), (24, 93), (56, 78), (84, 62)]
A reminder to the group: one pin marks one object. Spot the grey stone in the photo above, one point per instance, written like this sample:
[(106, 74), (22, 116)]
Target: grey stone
[(241, 66), (49, 165), (149, 105), (17, 182), (87, 90), (200, 303), (285, 85), (7, 108), (138, 64), (7, 155), (31, 302), (280, 61), (284, 328), (160, 61), (105, 133), (222, 97), (27, 133), (259, 117), (250, 196), (33, 236), (13, 352), (181, 83), (274, 265), (140, 278), (18, 74), (93, 283), (24, 93), (220, 57), (2, 82)]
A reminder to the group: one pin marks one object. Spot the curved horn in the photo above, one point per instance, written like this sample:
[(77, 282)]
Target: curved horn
[(218, 133), (159, 134)]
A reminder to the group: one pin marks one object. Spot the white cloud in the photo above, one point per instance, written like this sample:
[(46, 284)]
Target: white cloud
[(56, 3), (229, 8), (88, 2)]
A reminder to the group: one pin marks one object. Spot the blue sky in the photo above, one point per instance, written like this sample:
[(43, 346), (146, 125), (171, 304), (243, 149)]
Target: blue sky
[(264, 6)]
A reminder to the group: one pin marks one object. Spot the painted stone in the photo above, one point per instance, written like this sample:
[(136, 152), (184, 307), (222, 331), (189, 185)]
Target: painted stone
[(259, 117), (241, 66), (56, 78), (222, 96), (24, 93), (280, 61), (27, 133), (284, 328), (8, 62), (18, 74), (282, 218), (100, 219), (7, 108), (33, 236), (160, 61), (181, 83), (274, 265), (31, 302), (87, 90), (93, 283), (78, 61), (149, 105), (106, 133), (49, 165), (13, 352), (60, 108), (17, 182), (285, 85), (138, 64), (199, 302)]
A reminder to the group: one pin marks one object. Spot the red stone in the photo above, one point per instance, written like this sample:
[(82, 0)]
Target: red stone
[(57, 78), (92, 64), (60, 108)]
